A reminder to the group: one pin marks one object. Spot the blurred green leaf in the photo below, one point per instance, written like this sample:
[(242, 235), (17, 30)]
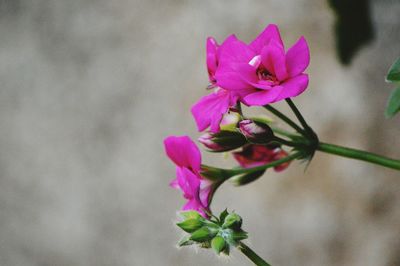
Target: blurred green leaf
[(353, 27), (393, 105), (394, 72)]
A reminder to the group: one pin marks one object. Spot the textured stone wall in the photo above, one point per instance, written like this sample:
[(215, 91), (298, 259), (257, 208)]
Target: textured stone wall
[(88, 90)]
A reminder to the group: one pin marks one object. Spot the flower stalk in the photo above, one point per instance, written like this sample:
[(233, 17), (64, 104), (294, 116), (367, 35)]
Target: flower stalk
[(359, 155), (249, 253)]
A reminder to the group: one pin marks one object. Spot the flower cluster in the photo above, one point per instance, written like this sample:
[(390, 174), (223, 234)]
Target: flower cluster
[(254, 74)]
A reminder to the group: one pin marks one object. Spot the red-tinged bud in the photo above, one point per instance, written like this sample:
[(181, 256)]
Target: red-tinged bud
[(256, 132), (280, 155), (207, 140), (256, 155)]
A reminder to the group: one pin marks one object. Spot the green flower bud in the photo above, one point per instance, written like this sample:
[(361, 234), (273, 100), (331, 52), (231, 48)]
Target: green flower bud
[(232, 221), (190, 225), (191, 215), (203, 234), (218, 244)]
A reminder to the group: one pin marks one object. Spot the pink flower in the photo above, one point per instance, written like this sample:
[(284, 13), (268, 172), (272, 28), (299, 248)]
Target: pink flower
[(256, 155), (209, 110), (187, 158), (262, 70)]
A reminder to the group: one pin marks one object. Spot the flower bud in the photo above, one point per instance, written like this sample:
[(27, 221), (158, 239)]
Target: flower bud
[(222, 141), (256, 132), (218, 244), (190, 225), (280, 155), (203, 234), (207, 140), (233, 221)]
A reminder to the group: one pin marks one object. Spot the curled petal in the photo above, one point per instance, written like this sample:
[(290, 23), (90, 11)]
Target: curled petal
[(298, 57), (212, 59)]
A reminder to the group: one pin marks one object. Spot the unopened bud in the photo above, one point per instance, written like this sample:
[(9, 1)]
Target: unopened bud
[(218, 244), (190, 225), (256, 132), (203, 234), (222, 141), (233, 221)]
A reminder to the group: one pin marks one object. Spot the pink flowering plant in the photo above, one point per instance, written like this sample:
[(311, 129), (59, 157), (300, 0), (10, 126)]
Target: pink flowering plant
[(256, 74)]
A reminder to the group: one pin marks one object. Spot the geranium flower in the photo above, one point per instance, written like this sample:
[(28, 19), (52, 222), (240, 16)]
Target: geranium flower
[(262, 70), (256, 155), (209, 110), (187, 158)]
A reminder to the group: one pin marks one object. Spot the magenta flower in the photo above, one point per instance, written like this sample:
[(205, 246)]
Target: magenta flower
[(187, 158), (262, 71), (256, 155), (209, 110)]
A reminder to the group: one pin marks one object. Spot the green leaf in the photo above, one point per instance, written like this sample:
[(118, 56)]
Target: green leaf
[(218, 244), (353, 27), (190, 225), (394, 72), (393, 105)]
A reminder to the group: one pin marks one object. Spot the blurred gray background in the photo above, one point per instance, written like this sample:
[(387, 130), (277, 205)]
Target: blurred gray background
[(89, 89)]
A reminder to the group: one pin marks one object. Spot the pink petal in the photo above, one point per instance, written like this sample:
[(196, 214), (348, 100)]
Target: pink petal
[(174, 183), (183, 152), (298, 57), (188, 182), (271, 32), (263, 97), (210, 109), (231, 80), (273, 59), (212, 61), (205, 191), (293, 87), (235, 51)]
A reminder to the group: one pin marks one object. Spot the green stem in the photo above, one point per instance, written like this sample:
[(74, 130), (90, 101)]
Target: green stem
[(359, 155), (298, 115), (286, 119), (233, 172), (282, 132), (249, 253), (284, 142)]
